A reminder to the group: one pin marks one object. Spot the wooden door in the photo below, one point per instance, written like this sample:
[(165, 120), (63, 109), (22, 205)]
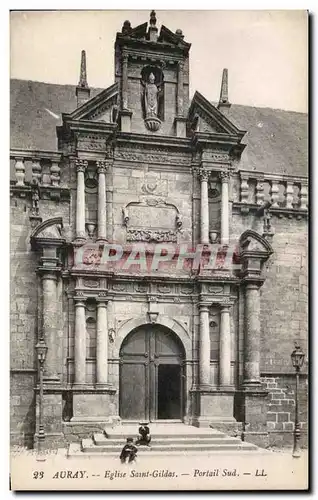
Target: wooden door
[(142, 356), (134, 377)]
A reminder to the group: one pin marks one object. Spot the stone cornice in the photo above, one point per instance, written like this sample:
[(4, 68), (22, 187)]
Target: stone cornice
[(216, 140), (245, 208), (35, 154), (89, 126), (150, 49), (47, 192), (252, 174), (148, 141)]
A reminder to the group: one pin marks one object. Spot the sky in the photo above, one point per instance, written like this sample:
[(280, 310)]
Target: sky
[(265, 51)]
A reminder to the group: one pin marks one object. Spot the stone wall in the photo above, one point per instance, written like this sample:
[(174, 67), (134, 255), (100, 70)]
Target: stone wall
[(22, 407), (284, 295), (281, 408), (25, 303)]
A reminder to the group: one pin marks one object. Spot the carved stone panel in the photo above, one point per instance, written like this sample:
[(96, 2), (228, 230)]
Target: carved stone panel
[(152, 219), (90, 283)]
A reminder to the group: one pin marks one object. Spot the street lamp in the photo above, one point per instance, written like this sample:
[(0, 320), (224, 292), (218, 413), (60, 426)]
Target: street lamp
[(297, 357), (41, 350)]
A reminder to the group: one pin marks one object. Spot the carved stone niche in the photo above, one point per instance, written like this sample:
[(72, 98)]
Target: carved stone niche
[(152, 220), (152, 98)]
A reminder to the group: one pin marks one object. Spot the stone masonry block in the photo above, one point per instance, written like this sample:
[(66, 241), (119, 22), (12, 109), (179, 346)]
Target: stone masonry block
[(289, 426), (271, 417), (283, 417), (271, 425)]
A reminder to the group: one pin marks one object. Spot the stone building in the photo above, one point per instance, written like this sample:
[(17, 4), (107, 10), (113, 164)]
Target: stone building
[(141, 163)]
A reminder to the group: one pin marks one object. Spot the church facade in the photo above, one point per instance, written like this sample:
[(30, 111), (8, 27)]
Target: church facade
[(159, 251)]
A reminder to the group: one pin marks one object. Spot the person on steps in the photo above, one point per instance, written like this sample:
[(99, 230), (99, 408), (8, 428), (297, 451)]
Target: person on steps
[(144, 437), (129, 452)]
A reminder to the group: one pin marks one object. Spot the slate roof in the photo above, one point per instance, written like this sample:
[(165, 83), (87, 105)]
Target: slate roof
[(276, 139)]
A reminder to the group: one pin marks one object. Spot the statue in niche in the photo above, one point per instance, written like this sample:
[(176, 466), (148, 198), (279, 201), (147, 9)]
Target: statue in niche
[(35, 194), (151, 92)]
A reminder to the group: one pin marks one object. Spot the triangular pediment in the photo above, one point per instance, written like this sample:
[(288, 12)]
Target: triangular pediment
[(167, 36), (99, 108), (139, 31), (206, 118)]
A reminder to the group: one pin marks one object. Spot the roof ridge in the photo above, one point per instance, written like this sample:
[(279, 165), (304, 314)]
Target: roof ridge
[(99, 89)]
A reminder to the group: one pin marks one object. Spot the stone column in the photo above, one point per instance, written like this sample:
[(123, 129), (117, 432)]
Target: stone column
[(80, 342), (204, 213), (204, 347), (49, 324), (102, 344), (225, 236), (81, 165), (225, 347), (180, 90), (252, 335), (125, 81), (102, 225)]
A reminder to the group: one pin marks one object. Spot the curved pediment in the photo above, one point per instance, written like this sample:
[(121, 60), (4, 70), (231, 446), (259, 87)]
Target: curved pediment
[(50, 231), (252, 241)]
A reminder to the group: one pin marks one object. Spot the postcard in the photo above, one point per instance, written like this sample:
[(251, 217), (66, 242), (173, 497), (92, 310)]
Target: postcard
[(159, 246)]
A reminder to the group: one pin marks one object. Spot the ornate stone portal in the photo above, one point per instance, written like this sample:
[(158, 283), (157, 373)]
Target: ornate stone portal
[(85, 313)]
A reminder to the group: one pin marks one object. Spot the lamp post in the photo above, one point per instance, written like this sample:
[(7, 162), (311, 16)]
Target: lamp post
[(41, 350), (297, 357)]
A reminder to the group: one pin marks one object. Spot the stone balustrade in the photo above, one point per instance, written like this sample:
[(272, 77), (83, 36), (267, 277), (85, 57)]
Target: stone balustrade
[(43, 166), (286, 193)]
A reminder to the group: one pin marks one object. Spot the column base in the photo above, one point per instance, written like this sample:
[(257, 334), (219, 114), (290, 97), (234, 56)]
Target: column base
[(51, 441), (79, 241), (104, 385), (254, 407), (125, 120), (52, 419), (48, 379), (180, 126), (94, 405), (213, 406), (252, 384), (101, 240)]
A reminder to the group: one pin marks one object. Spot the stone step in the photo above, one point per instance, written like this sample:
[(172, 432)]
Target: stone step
[(101, 439), (113, 434), (88, 446), (75, 451)]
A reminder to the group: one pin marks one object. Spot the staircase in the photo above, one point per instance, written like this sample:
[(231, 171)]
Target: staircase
[(172, 439)]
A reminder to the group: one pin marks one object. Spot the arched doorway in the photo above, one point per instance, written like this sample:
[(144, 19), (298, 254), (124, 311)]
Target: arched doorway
[(151, 375)]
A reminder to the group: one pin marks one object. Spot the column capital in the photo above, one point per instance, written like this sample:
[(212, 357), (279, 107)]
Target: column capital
[(81, 165), (125, 56), (203, 306), (80, 301), (224, 176), (48, 274), (204, 174), (180, 65), (102, 166), (225, 307), (101, 302), (253, 285)]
